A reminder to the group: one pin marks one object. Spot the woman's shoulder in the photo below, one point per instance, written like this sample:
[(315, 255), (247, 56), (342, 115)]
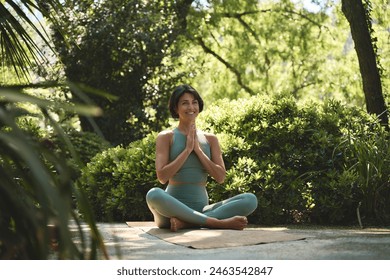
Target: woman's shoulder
[(165, 135)]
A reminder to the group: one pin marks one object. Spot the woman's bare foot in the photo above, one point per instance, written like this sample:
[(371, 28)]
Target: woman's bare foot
[(236, 222), (177, 224)]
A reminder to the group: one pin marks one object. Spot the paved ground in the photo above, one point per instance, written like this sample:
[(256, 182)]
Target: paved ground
[(126, 243)]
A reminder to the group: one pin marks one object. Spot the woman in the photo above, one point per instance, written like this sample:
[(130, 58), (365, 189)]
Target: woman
[(185, 157)]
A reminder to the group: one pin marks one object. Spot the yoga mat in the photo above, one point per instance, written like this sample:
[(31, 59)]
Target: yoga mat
[(217, 238)]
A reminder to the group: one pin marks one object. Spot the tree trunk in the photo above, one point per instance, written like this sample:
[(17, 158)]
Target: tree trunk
[(354, 11)]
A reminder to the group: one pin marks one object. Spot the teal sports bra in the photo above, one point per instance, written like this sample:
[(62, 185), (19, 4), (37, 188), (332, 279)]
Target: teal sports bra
[(192, 171)]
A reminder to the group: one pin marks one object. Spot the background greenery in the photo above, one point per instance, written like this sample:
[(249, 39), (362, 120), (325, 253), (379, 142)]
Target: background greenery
[(230, 49), (84, 87)]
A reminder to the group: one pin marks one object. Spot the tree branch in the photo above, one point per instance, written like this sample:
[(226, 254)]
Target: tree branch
[(227, 64), (239, 16)]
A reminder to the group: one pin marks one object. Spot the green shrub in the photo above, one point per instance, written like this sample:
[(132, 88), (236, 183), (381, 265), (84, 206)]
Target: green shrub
[(286, 154), (118, 179), (367, 157), (80, 149), (86, 144)]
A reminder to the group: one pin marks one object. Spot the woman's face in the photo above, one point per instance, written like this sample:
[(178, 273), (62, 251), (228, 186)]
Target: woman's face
[(187, 107)]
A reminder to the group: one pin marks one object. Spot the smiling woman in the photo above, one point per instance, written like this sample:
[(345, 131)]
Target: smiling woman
[(185, 157), (191, 96)]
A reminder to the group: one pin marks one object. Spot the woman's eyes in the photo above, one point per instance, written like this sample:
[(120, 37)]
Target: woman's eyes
[(194, 102)]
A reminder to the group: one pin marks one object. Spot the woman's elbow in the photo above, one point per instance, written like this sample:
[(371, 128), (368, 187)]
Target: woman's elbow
[(220, 179), (162, 179)]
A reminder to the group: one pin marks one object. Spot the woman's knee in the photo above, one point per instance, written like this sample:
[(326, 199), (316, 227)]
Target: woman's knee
[(154, 194), (251, 201)]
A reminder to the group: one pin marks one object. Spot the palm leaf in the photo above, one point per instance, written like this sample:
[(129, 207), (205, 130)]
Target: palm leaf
[(18, 49), (16, 96), (33, 194)]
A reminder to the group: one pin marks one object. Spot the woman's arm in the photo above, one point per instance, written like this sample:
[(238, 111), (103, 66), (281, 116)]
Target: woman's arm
[(214, 166), (165, 169)]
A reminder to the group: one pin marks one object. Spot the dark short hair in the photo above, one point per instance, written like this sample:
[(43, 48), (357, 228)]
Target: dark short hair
[(179, 92)]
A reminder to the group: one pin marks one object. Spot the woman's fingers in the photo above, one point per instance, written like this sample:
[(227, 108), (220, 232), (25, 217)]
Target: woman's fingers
[(191, 138)]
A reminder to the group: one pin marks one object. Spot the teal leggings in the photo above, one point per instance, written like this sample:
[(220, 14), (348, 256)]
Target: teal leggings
[(164, 206)]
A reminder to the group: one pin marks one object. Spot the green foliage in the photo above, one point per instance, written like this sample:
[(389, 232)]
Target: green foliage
[(82, 146), (272, 46), (118, 47), (290, 158), (19, 50), (37, 191), (85, 144), (367, 158), (294, 158), (278, 46), (118, 179)]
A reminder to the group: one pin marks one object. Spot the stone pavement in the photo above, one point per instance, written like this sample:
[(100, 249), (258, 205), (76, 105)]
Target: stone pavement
[(126, 243)]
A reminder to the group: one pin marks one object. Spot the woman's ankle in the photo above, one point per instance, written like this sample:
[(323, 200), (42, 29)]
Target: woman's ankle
[(177, 224)]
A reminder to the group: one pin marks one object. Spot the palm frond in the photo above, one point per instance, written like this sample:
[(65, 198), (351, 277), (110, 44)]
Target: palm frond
[(37, 187), (18, 48)]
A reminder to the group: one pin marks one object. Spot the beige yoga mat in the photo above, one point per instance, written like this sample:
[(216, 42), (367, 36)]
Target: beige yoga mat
[(212, 238)]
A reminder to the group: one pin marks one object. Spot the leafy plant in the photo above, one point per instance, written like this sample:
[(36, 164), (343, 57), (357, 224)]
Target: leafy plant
[(116, 181), (367, 157), (18, 19), (121, 46), (286, 155), (37, 190)]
